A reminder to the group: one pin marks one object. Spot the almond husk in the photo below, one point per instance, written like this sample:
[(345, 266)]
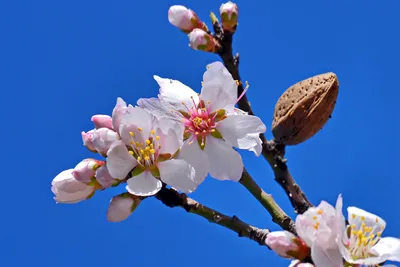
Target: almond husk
[(304, 108)]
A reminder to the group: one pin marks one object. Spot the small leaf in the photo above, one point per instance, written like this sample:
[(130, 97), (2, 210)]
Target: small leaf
[(137, 170), (155, 172), (216, 134)]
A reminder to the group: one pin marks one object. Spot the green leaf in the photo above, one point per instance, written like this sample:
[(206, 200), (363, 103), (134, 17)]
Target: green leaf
[(137, 170)]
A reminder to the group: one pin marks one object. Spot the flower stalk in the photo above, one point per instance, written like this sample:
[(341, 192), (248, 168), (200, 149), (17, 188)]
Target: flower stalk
[(278, 215), (272, 153)]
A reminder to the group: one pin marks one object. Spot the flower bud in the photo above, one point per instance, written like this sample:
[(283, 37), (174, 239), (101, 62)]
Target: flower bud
[(104, 177), (87, 140), (287, 245), (201, 40), (185, 19), (102, 121), (229, 16), (121, 207), (85, 170), (297, 263), (68, 190), (103, 138)]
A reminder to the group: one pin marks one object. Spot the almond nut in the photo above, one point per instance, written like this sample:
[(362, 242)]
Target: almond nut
[(304, 108)]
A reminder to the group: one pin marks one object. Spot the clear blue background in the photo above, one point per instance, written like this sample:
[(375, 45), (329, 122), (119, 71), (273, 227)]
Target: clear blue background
[(63, 61)]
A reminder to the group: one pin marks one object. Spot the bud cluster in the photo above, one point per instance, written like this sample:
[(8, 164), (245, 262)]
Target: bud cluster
[(200, 37)]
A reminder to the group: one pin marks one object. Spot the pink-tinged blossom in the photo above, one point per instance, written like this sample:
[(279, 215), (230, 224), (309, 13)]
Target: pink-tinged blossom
[(87, 140), (201, 40), (319, 228), (104, 178), (212, 124), (85, 170), (324, 229), (147, 151), (102, 121), (185, 19), (118, 111), (121, 207), (103, 138), (229, 13), (287, 245), (361, 243), (68, 190)]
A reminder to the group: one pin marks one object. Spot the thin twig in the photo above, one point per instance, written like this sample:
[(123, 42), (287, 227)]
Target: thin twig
[(273, 153), (172, 198), (278, 215)]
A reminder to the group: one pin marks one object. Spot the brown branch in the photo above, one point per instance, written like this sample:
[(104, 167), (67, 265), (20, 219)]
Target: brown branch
[(272, 152), (172, 198)]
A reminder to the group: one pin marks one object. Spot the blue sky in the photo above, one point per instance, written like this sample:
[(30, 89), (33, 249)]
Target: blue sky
[(63, 61)]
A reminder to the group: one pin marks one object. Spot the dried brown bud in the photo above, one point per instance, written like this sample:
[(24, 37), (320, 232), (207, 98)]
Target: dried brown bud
[(304, 108)]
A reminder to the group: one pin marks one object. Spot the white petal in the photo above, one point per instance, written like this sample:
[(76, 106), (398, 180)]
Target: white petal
[(119, 161), (178, 174), (138, 121), (324, 252), (143, 184), (359, 216), (388, 248), (219, 88), (196, 157), (120, 208), (174, 92), (225, 162), (170, 142), (305, 226), (159, 108), (242, 131)]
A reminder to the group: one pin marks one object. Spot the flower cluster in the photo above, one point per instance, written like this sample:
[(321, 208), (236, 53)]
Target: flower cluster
[(200, 37), (176, 139), (332, 242)]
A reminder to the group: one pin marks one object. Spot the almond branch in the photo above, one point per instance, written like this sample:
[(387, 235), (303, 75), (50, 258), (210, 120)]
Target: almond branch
[(271, 151), (172, 198)]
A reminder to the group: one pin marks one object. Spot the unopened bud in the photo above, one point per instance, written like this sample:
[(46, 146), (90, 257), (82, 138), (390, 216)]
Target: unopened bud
[(104, 177), (85, 170), (229, 16), (201, 40), (287, 245), (102, 121), (103, 138), (121, 207), (185, 19), (87, 140), (68, 190)]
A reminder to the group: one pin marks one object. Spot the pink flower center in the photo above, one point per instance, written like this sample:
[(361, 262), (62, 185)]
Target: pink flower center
[(200, 122)]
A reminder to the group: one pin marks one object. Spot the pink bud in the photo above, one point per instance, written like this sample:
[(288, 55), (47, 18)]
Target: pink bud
[(121, 207), (102, 121), (68, 190), (287, 245), (185, 19), (229, 15), (200, 40), (104, 178), (87, 140), (85, 170), (103, 138)]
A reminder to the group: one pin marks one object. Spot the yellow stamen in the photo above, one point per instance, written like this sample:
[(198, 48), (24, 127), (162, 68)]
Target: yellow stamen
[(157, 137), (148, 142), (131, 134), (140, 129), (153, 132), (131, 152)]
